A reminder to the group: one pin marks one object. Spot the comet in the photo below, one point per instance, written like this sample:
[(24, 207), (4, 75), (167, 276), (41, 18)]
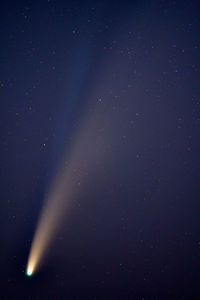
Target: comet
[(51, 217), (65, 186)]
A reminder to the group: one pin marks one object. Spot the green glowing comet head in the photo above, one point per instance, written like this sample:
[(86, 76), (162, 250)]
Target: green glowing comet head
[(28, 273)]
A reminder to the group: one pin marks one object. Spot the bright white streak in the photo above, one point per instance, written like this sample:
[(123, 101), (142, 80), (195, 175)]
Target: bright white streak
[(93, 142), (49, 221), (86, 149), (104, 133)]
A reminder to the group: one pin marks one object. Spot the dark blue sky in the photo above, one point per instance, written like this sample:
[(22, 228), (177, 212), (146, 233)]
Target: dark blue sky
[(120, 80)]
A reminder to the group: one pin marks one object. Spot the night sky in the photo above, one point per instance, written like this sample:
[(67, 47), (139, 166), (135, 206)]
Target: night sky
[(110, 92)]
